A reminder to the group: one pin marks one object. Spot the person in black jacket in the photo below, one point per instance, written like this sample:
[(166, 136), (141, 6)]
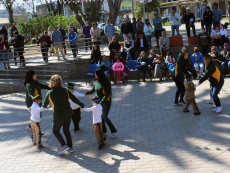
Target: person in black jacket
[(18, 44), (114, 47), (142, 43), (95, 54), (189, 20), (126, 29), (208, 19)]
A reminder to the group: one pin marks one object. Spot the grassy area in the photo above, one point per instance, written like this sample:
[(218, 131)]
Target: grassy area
[(167, 24), (126, 3)]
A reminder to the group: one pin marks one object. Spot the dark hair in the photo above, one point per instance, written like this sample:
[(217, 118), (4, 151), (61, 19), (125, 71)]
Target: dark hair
[(119, 59), (38, 98), (202, 28), (94, 23), (146, 20), (29, 77), (128, 36), (16, 32), (13, 27), (103, 80), (215, 4), (185, 62), (95, 98), (70, 85), (208, 8), (134, 18), (147, 23), (208, 57)]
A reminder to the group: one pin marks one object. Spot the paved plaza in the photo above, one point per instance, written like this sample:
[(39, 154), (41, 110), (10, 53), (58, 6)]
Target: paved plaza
[(153, 135)]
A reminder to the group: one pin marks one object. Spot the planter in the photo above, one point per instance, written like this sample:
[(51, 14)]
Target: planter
[(176, 41), (192, 40)]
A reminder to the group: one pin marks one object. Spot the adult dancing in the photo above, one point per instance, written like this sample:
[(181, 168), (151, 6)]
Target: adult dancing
[(181, 69), (216, 79), (62, 112), (33, 88), (103, 90)]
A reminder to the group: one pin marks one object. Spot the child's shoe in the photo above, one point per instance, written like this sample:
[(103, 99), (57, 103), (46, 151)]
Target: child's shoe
[(71, 150), (187, 111), (198, 113), (176, 104), (101, 146), (214, 105), (63, 149), (113, 135), (209, 102), (218, 110), (214, 110), (182, 102), (40, 146)]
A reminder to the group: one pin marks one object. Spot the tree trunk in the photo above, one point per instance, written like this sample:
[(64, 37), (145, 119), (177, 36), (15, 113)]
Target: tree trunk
[(114, 9), (10, 11), (75, 8)]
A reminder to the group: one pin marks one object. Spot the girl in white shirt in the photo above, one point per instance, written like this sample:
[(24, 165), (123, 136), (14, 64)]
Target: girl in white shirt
[(97, 121)]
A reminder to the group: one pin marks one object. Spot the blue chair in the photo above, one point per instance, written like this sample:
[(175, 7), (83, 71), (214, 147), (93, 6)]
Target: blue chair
[(131, 64), (91, 71)]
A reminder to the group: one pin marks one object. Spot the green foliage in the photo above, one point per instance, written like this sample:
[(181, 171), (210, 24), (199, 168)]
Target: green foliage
[(118, 32)]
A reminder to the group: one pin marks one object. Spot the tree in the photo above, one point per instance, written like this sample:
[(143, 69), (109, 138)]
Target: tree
[(114, 8), (8, 4)]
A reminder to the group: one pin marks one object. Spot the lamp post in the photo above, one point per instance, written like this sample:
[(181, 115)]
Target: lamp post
[(144, 10), (133, 8)]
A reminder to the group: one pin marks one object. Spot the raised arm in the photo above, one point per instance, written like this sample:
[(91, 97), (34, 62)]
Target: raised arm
[(75, 99)]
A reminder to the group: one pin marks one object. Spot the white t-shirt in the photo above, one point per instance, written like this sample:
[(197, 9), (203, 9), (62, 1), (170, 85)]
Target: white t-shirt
[(35, 112), (142, 45), (97, 112), (72, 104)]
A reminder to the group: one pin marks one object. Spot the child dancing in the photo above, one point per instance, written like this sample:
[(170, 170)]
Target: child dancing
[(118, 68)]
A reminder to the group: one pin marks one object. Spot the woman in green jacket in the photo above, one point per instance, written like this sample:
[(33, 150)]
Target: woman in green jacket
[(103, 90), (33, 88), (216, 79), (181, 69)]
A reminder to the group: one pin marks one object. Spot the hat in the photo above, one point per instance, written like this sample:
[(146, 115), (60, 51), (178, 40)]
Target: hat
[(169, 53), (70, 85), (173, 8), (196, 49), (156, 13), (37, 97), (188, 77), (187, 8), (71, 29), (225, 44)]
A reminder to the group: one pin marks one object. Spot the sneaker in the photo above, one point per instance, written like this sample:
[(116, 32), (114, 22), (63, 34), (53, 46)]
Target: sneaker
[(176, 104), (29, 129), (182, 102), (187, 111), (40, 146), (218, 110), (209, 102), (104, 134), (63, 149), (71, 150), (214, 110), (198, 113), (101, 146), (113, 135), (214, 105)]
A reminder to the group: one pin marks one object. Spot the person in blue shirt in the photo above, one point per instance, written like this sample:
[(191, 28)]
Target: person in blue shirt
[(72, 37), (197, 61), (63, 37), (157, 22), (103, 64), (217, 15), (109, 30), (148, 32)]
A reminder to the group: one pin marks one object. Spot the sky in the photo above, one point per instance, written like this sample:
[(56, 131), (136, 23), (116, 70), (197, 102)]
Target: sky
[(24, 4)]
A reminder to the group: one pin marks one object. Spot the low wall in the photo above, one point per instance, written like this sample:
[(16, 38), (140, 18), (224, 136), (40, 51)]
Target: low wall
[(6, 88)]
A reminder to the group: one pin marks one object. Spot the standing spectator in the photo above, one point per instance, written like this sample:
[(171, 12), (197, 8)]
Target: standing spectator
[(157, 22), (63, 37), (225, 58), (134, 24), (228, 11), (18, 44), (146, 20), (217, 15), (86, 32), (4, 31), (140, 26), (12, 30), (141, 43), (189, 20), (175, 22), (126, 29), (95, 33), (197, 61), (4, 51), (109, 30), (129, 47), (224, 34), (216, 37), (74, 29), (57, 39), (203, 41), (72, 37), (207, 16), (45, 41), (95, 54), (62, 112), (148, 32), (202, 10), (164, 44), (114, 47), (50, 34)]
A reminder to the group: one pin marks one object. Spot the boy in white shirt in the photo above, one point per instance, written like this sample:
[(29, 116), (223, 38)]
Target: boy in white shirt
[(35, 120), (97, 121), (75, 107)]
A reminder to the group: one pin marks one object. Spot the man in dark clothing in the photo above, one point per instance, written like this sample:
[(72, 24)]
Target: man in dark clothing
[(63, 37), (203, 40), (86, 32), (134, 28), (142, 43), (189, 20), (18, 44), (126, 29)]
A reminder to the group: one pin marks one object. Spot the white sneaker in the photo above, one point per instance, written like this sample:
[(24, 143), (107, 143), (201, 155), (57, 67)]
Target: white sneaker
[(63, 149), (218, 110), (209, 102), (214, 105), (214, 110)]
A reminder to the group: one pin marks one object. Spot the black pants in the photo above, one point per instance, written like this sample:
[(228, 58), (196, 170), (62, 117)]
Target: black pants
[(88, 42), (144, 69), (140, 49), (74, 50), (134, 33), (63, 45), (76, 118), (105, 119), (65, 123), (188, 29), (204, 49), (217, 42), (202, 23), (19, 52), (180, 90), (45, 53)]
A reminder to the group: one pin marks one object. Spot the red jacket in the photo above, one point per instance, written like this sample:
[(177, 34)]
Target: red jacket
[(2, 43)]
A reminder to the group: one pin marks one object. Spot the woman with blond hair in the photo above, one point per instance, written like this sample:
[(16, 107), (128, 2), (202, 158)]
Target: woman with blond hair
[(59, 97)]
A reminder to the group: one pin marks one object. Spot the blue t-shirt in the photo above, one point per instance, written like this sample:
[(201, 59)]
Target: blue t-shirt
[(157, 22)]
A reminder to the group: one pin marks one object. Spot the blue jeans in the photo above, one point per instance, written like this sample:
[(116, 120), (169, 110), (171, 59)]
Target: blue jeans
[(215, 90), (104, 116), (215, 24), (5, 57), (208, 28), (128, 57), (175, 27), (144, 69), (223, 66)]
